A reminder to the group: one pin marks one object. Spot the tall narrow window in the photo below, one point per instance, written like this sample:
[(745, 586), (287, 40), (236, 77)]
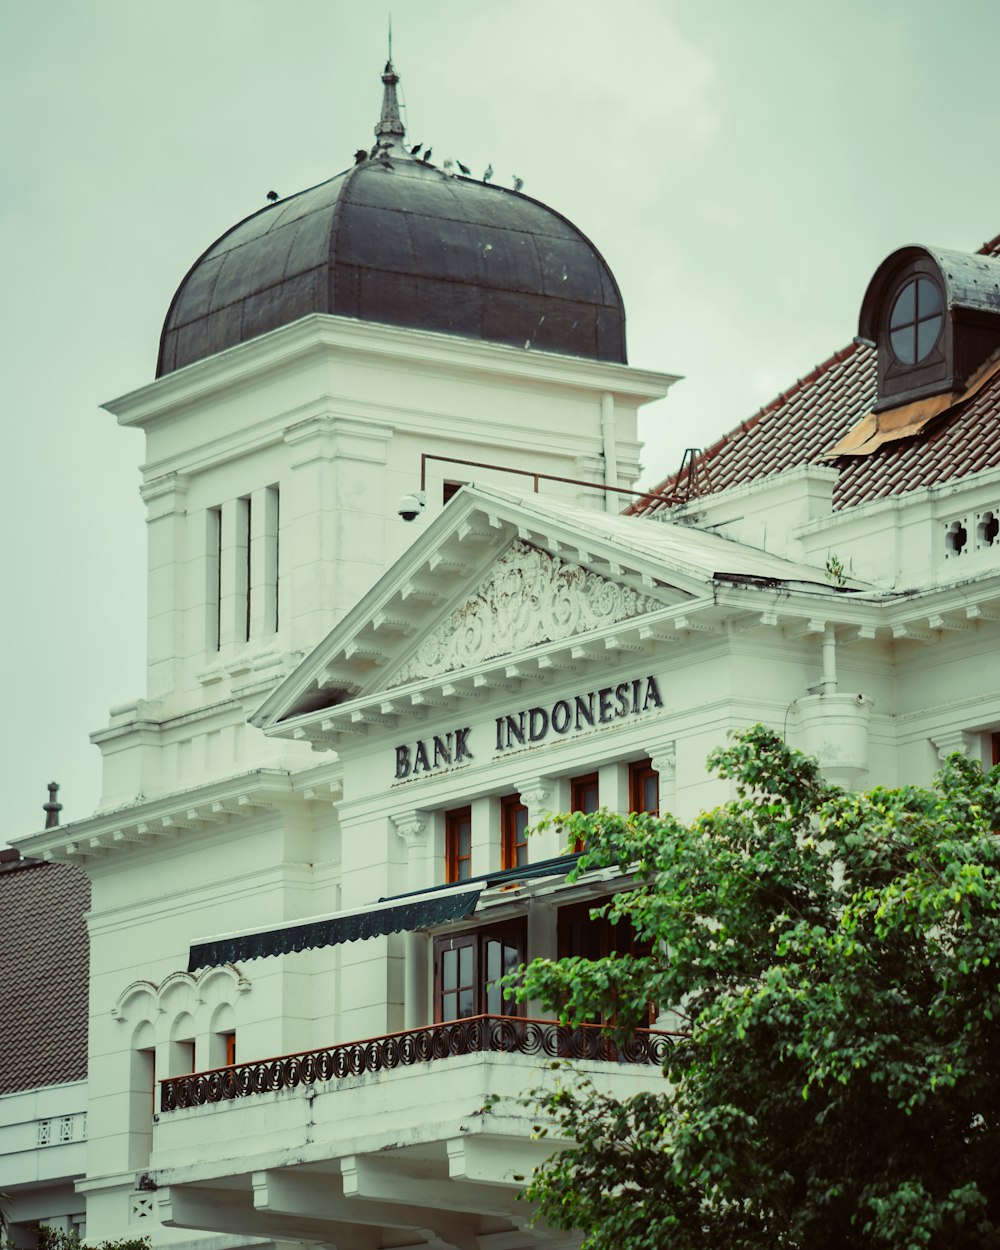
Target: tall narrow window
[(580, 936), (213, 578), (584, 796), (643, 788), (514, 832), (273, 550), (458, 844), (248, 572), (467, 968), (142, 1095)]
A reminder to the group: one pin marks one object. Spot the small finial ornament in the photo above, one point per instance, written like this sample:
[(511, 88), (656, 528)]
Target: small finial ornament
[(52, 808), (390, 126)]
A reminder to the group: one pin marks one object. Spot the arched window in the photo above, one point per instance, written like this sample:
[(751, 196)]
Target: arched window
[(916, 320)]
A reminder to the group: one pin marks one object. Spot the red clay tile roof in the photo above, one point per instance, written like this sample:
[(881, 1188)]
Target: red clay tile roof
[(807, 420), (43, 977)]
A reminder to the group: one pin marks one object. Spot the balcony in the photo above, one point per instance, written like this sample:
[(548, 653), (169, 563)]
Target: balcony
[(476, 1035), (382, 1142)]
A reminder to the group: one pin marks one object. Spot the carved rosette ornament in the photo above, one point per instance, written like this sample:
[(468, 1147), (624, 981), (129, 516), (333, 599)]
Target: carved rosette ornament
[(529, 598)]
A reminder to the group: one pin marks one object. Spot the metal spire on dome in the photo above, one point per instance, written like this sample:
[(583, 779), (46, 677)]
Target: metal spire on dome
[(390, 125)]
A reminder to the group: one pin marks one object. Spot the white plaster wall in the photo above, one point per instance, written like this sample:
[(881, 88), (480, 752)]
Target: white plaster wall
[(336, 414)]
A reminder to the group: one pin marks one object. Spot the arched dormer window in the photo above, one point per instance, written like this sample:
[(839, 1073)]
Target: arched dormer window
[(934, 317), (916, 320)]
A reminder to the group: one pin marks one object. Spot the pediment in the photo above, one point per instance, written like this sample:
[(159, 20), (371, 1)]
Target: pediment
[(528, 597), (493, 580)]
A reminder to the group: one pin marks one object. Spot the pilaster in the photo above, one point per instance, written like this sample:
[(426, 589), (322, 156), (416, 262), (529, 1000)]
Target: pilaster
[(337, 517), (539, 794), (663, 757), (165, 500)]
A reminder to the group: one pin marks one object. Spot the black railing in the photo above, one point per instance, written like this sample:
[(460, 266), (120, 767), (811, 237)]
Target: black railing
[(477, 1035)]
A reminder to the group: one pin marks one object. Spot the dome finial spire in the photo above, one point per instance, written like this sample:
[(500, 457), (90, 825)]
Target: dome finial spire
[(390, 125)]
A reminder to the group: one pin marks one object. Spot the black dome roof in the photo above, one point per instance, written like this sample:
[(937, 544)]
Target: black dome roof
[(398, 241)]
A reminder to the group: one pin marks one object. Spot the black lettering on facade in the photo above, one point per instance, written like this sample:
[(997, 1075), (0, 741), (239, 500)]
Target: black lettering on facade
[(635, 695), (585, 708), (462, 751), (621, 695), (499, 733), (442, 750), (561, 716), (515, 728), (604, 704), (538, 724), (421, 763), (652, 694), (402, 762)]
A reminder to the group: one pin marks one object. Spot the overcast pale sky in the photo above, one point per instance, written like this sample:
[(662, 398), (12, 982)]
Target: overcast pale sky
[(743, 165)]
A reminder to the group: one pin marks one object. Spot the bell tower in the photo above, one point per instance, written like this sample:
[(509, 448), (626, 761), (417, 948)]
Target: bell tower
[(309, 361)]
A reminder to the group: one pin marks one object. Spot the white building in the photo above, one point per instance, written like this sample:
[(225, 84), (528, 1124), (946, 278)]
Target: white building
[(311, 831)]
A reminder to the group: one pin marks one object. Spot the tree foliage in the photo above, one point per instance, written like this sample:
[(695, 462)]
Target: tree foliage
[(48, 1238), (833, 960)]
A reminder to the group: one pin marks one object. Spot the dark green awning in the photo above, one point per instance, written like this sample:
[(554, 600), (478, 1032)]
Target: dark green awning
[(402, 917)]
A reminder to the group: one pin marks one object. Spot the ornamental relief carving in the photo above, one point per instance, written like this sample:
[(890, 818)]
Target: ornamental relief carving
[(529, 598)]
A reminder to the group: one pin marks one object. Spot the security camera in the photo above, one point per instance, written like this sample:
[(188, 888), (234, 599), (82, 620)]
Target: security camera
[(411, 506)]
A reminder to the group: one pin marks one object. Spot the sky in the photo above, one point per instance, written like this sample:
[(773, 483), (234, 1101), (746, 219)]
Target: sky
[(743, 166)]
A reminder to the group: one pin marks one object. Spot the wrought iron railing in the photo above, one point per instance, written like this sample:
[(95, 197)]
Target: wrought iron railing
[(476, 1035)]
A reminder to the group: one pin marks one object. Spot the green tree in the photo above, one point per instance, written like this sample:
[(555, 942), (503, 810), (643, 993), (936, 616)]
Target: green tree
[(833, 960), (52, 1239)]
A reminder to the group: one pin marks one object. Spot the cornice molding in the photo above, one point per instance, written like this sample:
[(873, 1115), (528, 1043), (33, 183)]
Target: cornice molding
[(321, 335), (149, 821)]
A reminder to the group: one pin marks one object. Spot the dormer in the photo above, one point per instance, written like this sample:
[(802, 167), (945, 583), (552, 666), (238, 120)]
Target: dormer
[(934, 317)]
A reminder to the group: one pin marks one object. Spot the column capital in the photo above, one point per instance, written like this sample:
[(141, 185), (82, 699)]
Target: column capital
[(412, 826), (663, 757), (950, 741), (328, 436), (165, 494)]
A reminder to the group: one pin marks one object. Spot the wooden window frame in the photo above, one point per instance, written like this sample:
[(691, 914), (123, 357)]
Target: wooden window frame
[(639, 773), (576, 799), (453, 857), (600, 938), (513, 840), (513, 933)]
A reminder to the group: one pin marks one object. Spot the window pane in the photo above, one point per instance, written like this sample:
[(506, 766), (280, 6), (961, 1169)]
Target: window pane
[(903, 345), (927, 335), (449, 1006), (492, 960), (449, 969), (465, 965), (466, 1003), (928, 298), (494, 1001), (904, 310)]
